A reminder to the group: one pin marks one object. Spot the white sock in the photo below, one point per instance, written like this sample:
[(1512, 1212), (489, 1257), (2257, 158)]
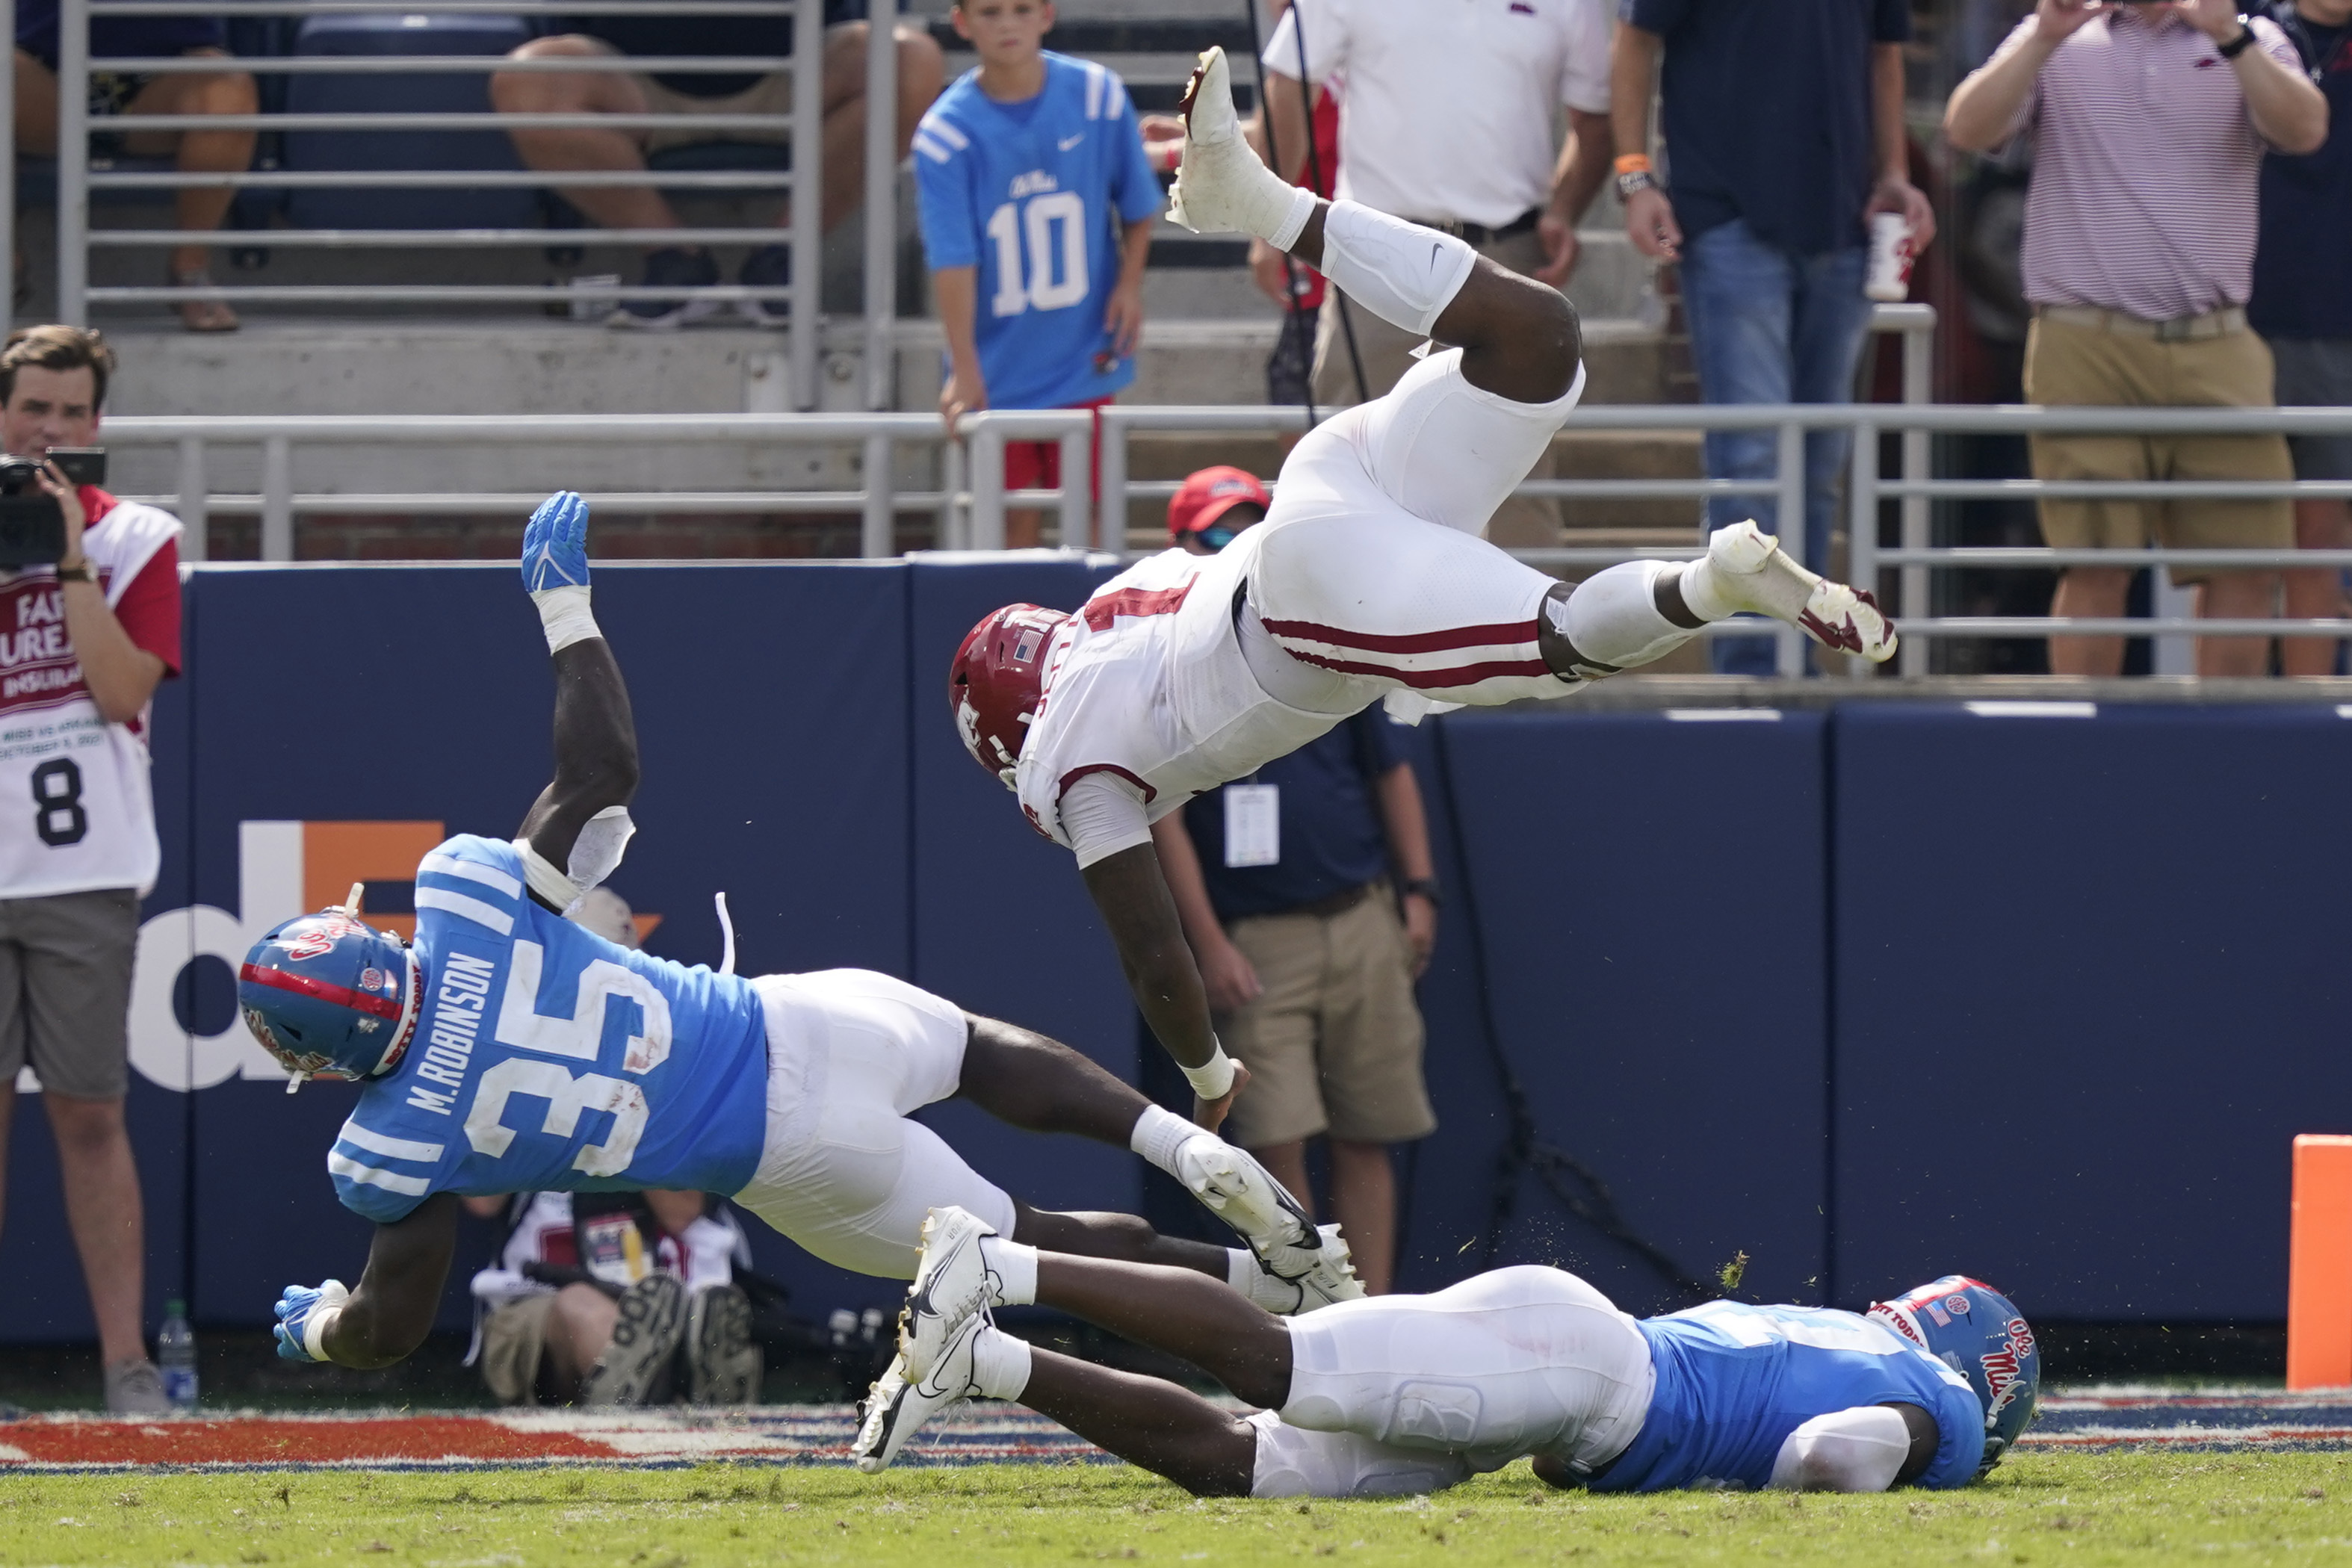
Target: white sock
[(1613, 616), (1159, 1134), (1400, 272), (1241, 1269), (1000, 1364), (1015, 1268), (1716, 588)]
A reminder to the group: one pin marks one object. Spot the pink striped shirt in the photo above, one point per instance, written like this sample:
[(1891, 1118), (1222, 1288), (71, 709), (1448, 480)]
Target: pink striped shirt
[(2145, 168)]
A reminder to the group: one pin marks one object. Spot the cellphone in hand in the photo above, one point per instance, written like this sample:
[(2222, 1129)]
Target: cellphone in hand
[(80, 464)]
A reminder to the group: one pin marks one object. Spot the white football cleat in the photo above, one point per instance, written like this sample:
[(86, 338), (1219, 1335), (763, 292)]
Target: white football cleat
[(1754, 573), (953, 1282), (897, 1408), (1220, 185), (1305, 1268), (1321, 1274)]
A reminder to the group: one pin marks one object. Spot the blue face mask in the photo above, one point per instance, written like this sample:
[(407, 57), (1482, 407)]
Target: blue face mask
[(1215, 537)]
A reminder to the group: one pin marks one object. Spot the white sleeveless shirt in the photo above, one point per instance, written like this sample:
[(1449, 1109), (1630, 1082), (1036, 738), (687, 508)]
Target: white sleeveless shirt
[(77, 812)]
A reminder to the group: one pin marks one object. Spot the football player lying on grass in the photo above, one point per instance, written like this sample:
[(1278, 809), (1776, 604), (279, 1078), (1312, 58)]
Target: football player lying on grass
[(1367, 581), (1394, 1395), (508, 1049)]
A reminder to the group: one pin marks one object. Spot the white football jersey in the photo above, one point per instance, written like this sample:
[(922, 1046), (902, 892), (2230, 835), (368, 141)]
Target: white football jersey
[(80, 814), (1148, 683)]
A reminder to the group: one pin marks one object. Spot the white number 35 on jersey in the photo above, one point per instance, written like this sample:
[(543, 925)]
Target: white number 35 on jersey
[(581, 1037)]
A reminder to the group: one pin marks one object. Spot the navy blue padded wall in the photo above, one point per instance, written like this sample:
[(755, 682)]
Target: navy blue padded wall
[(1003, 925), (1650, 898), (770, 711), (2090, 982)]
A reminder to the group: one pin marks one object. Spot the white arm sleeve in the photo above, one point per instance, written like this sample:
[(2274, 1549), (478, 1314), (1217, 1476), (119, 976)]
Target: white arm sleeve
[(1101, 815), (1861, 1449)]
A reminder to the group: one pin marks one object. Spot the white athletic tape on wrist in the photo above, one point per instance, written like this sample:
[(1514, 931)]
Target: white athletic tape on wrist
[(564, 614), (1213, 1078), (314, 1330)]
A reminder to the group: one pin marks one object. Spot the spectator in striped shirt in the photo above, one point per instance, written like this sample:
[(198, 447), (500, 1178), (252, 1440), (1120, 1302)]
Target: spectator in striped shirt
[(2150, 123)]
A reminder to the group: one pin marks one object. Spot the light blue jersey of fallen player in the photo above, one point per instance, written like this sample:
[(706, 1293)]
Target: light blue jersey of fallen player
[(548, 1058), (1735, 1380)]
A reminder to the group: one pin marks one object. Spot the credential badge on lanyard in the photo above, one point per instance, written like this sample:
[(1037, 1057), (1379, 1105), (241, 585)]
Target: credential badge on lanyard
[(1253, 824)]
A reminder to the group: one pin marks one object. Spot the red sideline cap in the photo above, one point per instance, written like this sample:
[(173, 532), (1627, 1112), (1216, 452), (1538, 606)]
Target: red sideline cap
[(1208, 495)]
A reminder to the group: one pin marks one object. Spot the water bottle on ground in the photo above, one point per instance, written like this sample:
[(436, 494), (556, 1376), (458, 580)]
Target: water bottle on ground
[(175, 1356)]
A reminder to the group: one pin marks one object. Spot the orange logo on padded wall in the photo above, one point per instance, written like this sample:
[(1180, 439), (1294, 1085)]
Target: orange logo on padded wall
[(283, 870)]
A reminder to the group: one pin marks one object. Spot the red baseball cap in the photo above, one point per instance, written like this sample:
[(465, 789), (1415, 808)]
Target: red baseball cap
[(1209, 495)]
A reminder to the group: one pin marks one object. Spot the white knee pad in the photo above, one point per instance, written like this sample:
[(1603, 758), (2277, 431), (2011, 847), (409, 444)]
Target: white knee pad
[(1612, 617), (1294, 1462), (1400, 272)]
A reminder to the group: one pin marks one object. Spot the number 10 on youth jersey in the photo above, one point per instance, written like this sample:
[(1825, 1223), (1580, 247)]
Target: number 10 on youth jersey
[(1032, 196)]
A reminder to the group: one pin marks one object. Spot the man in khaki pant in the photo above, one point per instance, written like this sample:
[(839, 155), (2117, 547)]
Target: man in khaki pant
[(2151, 121), (1308, 945)]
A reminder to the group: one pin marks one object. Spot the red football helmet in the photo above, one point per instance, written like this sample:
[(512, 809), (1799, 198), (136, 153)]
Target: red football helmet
[(997, 680)]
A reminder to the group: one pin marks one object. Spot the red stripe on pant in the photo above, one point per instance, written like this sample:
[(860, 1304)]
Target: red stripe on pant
[(1427, 680), (1410, 643)]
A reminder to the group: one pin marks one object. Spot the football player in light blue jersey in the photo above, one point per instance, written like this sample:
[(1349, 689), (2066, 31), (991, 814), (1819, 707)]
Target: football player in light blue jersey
[(1400, 1395), (509, 1049)]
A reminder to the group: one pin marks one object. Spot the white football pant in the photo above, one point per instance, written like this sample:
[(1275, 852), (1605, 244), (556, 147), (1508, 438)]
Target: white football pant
[(1406, 1394)]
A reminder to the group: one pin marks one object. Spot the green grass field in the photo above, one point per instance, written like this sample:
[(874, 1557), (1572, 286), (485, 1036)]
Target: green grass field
[(2066, 1508)]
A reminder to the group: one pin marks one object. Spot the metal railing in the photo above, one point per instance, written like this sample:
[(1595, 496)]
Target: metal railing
[(1914, 558), (76, 180)]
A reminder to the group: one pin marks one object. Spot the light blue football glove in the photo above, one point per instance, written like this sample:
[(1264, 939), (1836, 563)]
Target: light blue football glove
[(555, 544), (301, 1307)]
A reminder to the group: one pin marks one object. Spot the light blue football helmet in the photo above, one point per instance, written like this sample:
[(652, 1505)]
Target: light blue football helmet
[(330, 995), (1980, 1333)]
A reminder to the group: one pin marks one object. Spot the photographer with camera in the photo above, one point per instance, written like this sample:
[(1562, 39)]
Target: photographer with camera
[(90, 621)]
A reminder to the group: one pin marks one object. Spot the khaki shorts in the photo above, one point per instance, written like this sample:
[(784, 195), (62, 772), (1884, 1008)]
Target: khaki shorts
[(769, 95), (1386, 352), (514, 1337), (2066, 364), (1333, 1044), (65, 990)]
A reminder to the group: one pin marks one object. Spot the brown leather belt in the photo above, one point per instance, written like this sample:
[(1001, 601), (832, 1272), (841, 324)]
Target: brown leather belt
[(2223, 323), (1479, 234), (1341, 901)]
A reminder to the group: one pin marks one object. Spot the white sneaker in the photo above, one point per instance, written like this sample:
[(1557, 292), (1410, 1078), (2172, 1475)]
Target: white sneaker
[(1242, 1192), (1753, 572), (1220, 185), (1322, 1273), (953, 1282), (898, 1407)]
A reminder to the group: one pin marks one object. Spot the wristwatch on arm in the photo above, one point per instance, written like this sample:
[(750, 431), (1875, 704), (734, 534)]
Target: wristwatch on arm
[(2239, 45), (1426, 887), (1633, 174), (79, 571)]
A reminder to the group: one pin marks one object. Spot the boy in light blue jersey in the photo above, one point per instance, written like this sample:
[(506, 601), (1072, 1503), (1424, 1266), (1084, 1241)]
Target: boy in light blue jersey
[(1399, 1395), (1037, 206), (509, 1049)]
